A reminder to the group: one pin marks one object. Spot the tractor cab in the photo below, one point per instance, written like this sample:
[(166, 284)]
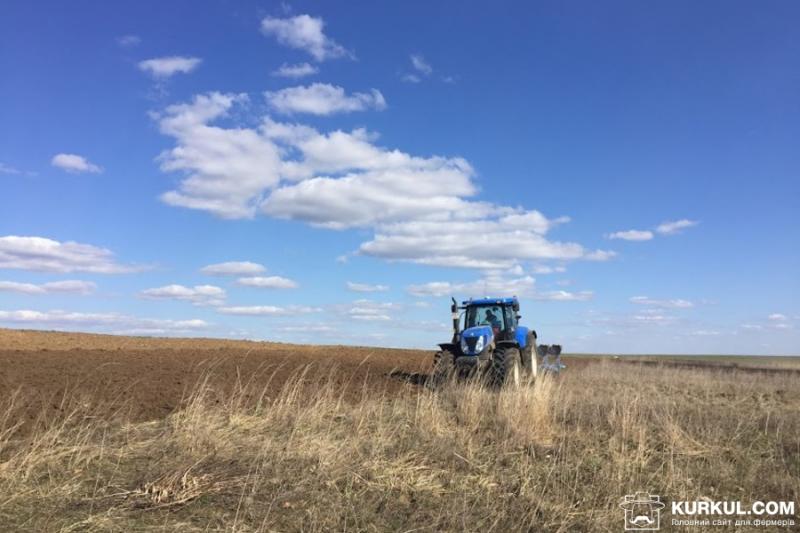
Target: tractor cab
[(488, 321), (499, 315)]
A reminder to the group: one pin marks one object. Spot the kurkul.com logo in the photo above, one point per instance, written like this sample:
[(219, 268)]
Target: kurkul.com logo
[(642, 511)]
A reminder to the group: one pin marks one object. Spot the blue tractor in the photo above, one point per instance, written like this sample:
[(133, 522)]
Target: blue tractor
[(490, 344)]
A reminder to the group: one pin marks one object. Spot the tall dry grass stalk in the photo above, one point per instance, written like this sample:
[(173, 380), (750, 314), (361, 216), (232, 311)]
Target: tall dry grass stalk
[(554, 455)]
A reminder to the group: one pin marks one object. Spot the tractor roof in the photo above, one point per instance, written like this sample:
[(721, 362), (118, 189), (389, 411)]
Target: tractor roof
[(490, 301)]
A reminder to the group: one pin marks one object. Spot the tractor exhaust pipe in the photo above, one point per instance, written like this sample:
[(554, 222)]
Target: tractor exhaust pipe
[(454, 311)]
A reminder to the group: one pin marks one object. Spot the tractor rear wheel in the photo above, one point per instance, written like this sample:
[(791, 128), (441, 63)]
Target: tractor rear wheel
[(529, 361), (444, 366), (506, 367)]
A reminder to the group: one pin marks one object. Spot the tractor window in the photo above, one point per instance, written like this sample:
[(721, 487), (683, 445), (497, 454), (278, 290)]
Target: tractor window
[(486, 315), (511, 318)]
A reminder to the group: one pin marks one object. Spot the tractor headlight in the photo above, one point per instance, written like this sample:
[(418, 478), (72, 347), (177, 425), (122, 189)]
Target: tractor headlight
[(464, 347), (479, 345)]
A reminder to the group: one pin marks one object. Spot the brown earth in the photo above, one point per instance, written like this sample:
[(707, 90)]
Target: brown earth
[(148, 377)]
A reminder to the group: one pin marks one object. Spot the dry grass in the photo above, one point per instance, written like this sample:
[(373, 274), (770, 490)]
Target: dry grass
[(554, 456)]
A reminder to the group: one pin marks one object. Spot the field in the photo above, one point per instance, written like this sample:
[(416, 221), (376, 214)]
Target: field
[(101, 433)]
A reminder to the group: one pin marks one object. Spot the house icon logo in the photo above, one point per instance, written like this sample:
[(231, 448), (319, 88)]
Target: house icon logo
[(642, 511)]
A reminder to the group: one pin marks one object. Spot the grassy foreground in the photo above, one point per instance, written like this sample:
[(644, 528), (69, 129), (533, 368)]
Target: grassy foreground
[(554, 456)]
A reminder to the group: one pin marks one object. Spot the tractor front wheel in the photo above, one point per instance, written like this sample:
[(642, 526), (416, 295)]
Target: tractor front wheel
[(506, 367)]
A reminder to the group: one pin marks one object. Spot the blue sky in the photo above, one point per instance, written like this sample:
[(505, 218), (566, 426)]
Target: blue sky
[(628, 169)]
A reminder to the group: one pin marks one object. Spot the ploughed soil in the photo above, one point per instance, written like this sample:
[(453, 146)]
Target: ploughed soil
[(146, 378)]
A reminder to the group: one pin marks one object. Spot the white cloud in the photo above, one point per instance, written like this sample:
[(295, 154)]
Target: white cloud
[(300, 70), (651, 318), (434, 288), (228, 169), (63, 319), (268, 310), (640, 321), (547, 269), (47, 255), (632, 235), (323, 99), (74, 164), (253, 310), (492, 240), (233, 268), (365, 287), (371, 311), (165, 67), (666, 304), (198, 295), (70, 286), (129, 41), (420, 65), (377, 185), (304, 32), (775, 321), (356, 314), (599, 255), (369, 317), (516, 270), (419, 213), (268, 282), (66, 286), (421, 68), (705, 333), (565, 296), (309, 328), (487, 286), (671, 228), (419, 207), (752, 326), (5, 169), (666, 228), (25, 288), (496, 285)]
